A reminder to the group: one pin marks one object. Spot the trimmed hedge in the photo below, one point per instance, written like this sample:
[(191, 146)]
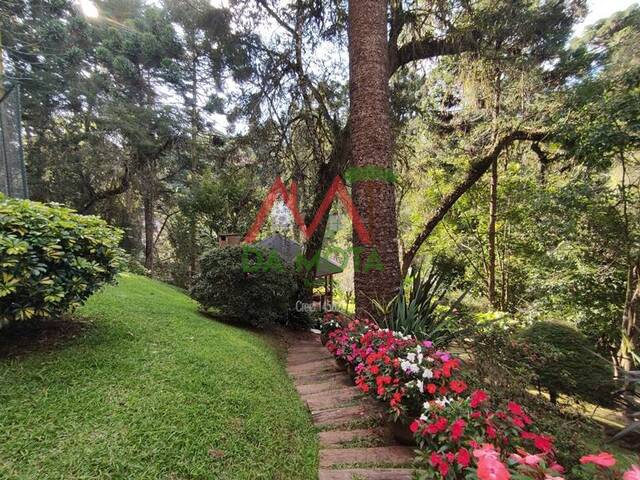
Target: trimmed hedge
[(52, 259), (572, 368), (245, 284)]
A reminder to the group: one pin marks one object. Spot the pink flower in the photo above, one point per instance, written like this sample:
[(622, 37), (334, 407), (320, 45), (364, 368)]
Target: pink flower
[(490, 468), (487, 450), (530, 460), (632, 474), (602, 459)]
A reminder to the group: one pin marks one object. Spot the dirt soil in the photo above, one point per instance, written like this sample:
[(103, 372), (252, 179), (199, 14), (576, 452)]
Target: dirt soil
[(25, 337)]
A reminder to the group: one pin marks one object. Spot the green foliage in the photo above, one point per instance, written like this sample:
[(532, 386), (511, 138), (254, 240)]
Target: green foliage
[(52, 258), (571, 367), (239, 288), (420, 309)]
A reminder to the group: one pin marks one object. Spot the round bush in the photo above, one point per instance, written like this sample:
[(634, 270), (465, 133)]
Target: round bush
[(576, 369), (245, 284), (52, 259)]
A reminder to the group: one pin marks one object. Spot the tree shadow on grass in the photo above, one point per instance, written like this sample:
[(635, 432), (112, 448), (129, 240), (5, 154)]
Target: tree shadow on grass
[(25, 337)]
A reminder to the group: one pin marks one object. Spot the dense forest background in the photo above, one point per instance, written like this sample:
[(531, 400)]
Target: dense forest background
[(515, 152)]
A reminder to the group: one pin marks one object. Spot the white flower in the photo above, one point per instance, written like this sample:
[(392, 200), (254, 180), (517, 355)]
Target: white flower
[(427, 373), (420, 385), (411, 357), (444, 401), (426, 406), (424, 418)]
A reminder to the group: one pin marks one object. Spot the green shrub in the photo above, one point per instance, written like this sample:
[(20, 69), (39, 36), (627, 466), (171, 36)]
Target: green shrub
[(52, 259), (576, 369), (420, 308), (238, 285)]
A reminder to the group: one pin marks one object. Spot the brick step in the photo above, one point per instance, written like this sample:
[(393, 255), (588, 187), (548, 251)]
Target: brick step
[(317, 366), (319, 377), (331, 399), (301, 358), (339, 381), (366, 474), (308, 344), (334, 438), (394, 455), (340, 416), (295, 349)]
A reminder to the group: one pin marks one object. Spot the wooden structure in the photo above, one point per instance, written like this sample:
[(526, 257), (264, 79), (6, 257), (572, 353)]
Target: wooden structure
[(289, 250)]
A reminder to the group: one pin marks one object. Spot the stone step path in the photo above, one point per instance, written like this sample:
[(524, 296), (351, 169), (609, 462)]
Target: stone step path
[(354, 442)]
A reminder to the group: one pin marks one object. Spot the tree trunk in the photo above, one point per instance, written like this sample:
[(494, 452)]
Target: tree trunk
[(377, 276), (193, 255), (149, 228), (630, 318), (493, 208)]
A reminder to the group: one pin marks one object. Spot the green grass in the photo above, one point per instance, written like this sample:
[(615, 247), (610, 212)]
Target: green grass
[(153, 390)]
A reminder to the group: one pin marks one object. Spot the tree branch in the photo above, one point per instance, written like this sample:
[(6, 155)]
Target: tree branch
[(452, 44), (122, 186), (478, 168)]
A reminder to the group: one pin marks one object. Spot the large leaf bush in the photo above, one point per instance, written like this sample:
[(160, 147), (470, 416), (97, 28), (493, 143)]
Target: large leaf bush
[(52, 259), (246, 285)]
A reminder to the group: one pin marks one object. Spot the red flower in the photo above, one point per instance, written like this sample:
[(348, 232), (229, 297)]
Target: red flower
[(440, 425), (458, 386), (449, 366), (414, 426), (457, 429), (514, 408), (543, 443), (396, 399), (375, 370), (602, 459), (477, 397), (431, 388), (463, 457)]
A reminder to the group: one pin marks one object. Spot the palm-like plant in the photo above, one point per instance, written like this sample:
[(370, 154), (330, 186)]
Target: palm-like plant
[(419, 308)]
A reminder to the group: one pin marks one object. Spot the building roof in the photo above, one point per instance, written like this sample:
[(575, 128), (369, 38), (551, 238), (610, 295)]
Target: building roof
[(289, 250)]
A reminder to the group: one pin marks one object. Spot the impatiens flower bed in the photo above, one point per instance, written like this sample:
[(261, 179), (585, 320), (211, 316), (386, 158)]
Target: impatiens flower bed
[(458, 432)]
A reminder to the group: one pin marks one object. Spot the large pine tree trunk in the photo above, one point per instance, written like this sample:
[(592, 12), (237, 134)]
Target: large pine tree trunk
[(372, 147)]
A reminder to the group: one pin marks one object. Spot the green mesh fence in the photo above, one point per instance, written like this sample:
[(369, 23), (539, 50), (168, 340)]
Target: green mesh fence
[(13, 179)]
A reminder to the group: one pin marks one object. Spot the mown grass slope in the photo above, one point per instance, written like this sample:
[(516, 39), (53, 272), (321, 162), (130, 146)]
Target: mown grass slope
[(153, 390)]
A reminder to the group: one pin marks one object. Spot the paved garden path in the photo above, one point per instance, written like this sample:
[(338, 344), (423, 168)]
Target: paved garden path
[(354, 443)]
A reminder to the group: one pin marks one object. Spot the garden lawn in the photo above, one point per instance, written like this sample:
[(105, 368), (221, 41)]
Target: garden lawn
[(153, 390)]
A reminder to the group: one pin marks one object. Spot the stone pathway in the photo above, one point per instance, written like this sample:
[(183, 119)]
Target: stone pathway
[(354, 443)]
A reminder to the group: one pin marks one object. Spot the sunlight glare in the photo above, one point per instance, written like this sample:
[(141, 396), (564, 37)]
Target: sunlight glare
[(89, 9)]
